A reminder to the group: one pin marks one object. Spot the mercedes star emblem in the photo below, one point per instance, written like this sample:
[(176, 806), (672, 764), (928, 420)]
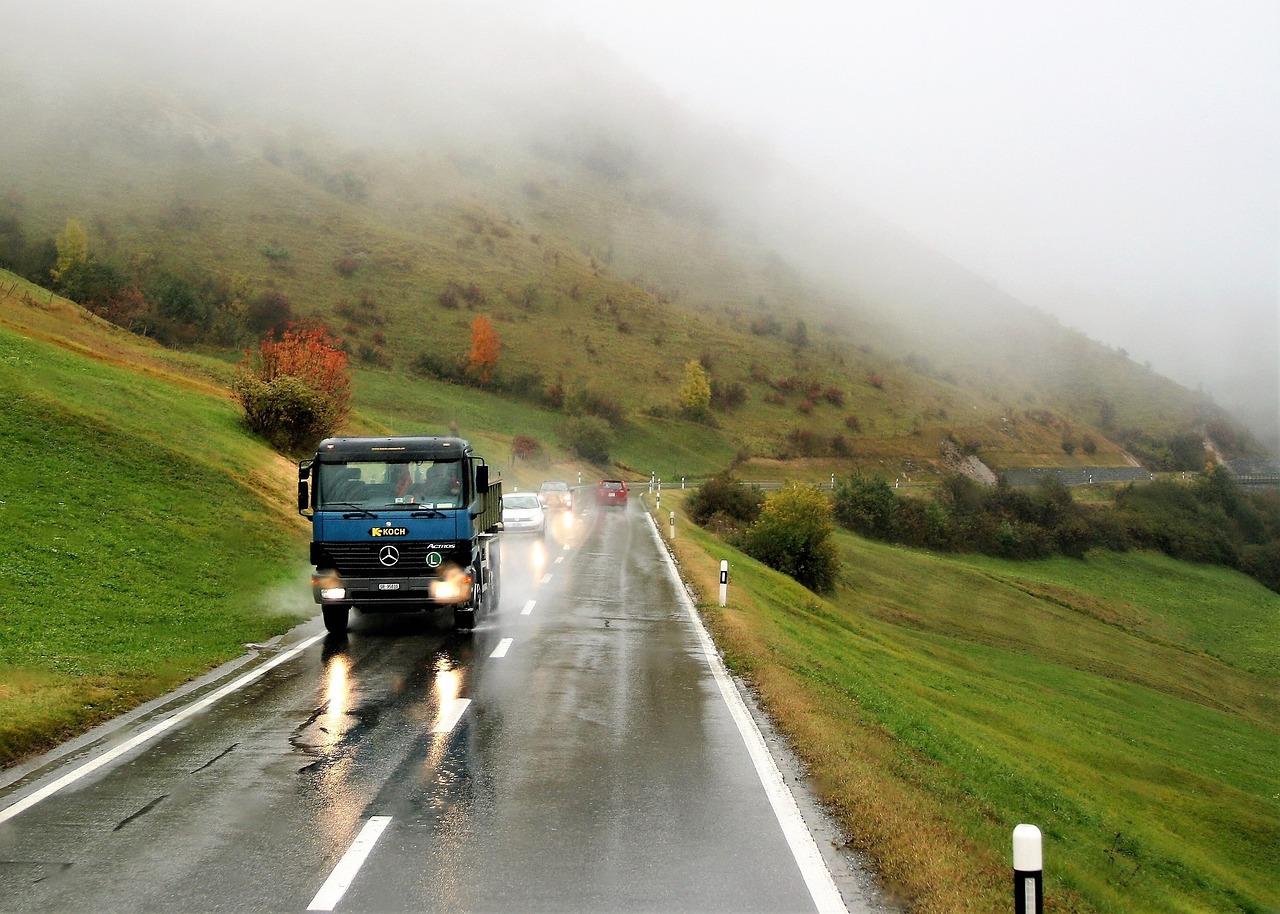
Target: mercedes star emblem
[(389, 555)]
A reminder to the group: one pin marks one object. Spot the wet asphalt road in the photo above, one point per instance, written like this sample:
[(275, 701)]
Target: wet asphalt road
[(588, 763)]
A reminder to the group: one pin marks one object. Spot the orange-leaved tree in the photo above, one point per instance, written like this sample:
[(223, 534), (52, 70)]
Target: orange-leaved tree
[(298, 390), (484, 349)]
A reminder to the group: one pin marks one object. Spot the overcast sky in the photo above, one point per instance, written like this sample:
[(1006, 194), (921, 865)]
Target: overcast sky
[(1115, 163)]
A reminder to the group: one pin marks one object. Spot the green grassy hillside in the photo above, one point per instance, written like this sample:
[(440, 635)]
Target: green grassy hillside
[(1128, 705), (145, 534)]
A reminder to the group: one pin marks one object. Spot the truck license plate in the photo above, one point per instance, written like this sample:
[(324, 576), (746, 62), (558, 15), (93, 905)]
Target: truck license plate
[(395, 586)]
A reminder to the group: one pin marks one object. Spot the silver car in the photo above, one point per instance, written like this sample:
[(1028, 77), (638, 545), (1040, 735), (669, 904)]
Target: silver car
[(522, 512)]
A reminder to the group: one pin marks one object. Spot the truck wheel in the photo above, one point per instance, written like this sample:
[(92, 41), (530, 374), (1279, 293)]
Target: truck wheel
[(335, 619), (464, 617), (495, 576)]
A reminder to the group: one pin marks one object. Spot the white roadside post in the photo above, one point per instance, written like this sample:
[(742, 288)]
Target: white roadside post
[(724, 582), (1028, 871), (672, 534)]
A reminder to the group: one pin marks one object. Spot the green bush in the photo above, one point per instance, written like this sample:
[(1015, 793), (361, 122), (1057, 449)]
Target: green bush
[(285, 411), (793, 535), (867, 506), (724, 503), (587, 436)]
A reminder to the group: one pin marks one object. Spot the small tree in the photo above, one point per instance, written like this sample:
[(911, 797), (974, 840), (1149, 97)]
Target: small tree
[(793, 535), (300, 389), (484, 349), (73, 249), (695, 392)]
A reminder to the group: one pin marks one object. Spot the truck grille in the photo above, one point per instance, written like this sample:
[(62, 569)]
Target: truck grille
[(364, 559)]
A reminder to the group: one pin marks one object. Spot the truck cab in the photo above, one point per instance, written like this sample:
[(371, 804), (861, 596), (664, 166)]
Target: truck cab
[(401, 524)]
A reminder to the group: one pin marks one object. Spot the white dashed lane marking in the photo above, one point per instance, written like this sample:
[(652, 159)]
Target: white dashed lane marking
[(345, 872)]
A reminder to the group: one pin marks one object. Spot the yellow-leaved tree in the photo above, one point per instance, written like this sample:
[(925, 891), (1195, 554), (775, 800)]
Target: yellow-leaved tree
[(695, 393), (72, 244)]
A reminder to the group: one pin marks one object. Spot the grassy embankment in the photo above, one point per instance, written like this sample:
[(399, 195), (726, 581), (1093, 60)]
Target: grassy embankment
[(1125, 704), (144, 535)]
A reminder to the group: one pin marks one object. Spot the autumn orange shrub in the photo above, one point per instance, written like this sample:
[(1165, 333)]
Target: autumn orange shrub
[(298, 390)]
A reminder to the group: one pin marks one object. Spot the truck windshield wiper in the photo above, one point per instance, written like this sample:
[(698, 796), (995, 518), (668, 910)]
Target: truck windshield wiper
[(359, 510), (428, 512)]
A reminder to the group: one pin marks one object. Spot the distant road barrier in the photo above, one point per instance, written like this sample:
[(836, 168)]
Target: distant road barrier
[(1075, 476)]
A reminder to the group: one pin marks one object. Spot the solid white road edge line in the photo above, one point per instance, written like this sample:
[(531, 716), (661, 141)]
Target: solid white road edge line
[(450, 714), (345, 872), (108, 757), (822, 887), (503, 646), (528, 608)]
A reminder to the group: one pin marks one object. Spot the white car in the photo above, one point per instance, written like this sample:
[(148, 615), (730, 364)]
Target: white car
[(522, 512)]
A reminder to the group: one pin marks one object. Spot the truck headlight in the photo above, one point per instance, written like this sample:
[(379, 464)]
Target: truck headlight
[(328, 586), (454, 587)]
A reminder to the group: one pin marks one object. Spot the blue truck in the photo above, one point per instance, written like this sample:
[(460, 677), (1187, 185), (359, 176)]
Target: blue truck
[(403, 524)]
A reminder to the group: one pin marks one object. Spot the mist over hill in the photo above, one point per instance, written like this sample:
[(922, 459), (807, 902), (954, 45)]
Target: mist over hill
[(455, 149)]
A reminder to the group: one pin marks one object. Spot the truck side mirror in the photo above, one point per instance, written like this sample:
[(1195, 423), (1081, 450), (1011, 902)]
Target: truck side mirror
[(304, 488), (482, 478)]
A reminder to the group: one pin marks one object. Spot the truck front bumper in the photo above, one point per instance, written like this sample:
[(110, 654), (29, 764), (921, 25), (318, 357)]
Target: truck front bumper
[(391, 594)]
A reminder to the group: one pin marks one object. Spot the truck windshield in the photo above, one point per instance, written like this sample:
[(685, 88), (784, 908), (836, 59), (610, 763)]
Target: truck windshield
[(377, 484)]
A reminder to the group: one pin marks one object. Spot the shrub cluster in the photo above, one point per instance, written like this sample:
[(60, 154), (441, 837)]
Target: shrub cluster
[(176, 307), (298, 390), (1211, 520), (790, 531), (725, 505)]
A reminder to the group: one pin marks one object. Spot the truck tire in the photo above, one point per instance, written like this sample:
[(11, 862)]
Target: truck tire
[(495, 576), (464, 617), (335, 619)]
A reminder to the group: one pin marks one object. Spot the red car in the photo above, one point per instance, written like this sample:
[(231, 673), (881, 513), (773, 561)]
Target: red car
[(611, 492)]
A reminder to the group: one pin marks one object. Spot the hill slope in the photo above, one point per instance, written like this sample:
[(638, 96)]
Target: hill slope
[(608, 249), (145, 534)]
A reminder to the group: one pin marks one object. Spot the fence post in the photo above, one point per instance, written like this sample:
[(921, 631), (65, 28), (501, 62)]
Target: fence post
[(724, 581), (1028, 871)]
